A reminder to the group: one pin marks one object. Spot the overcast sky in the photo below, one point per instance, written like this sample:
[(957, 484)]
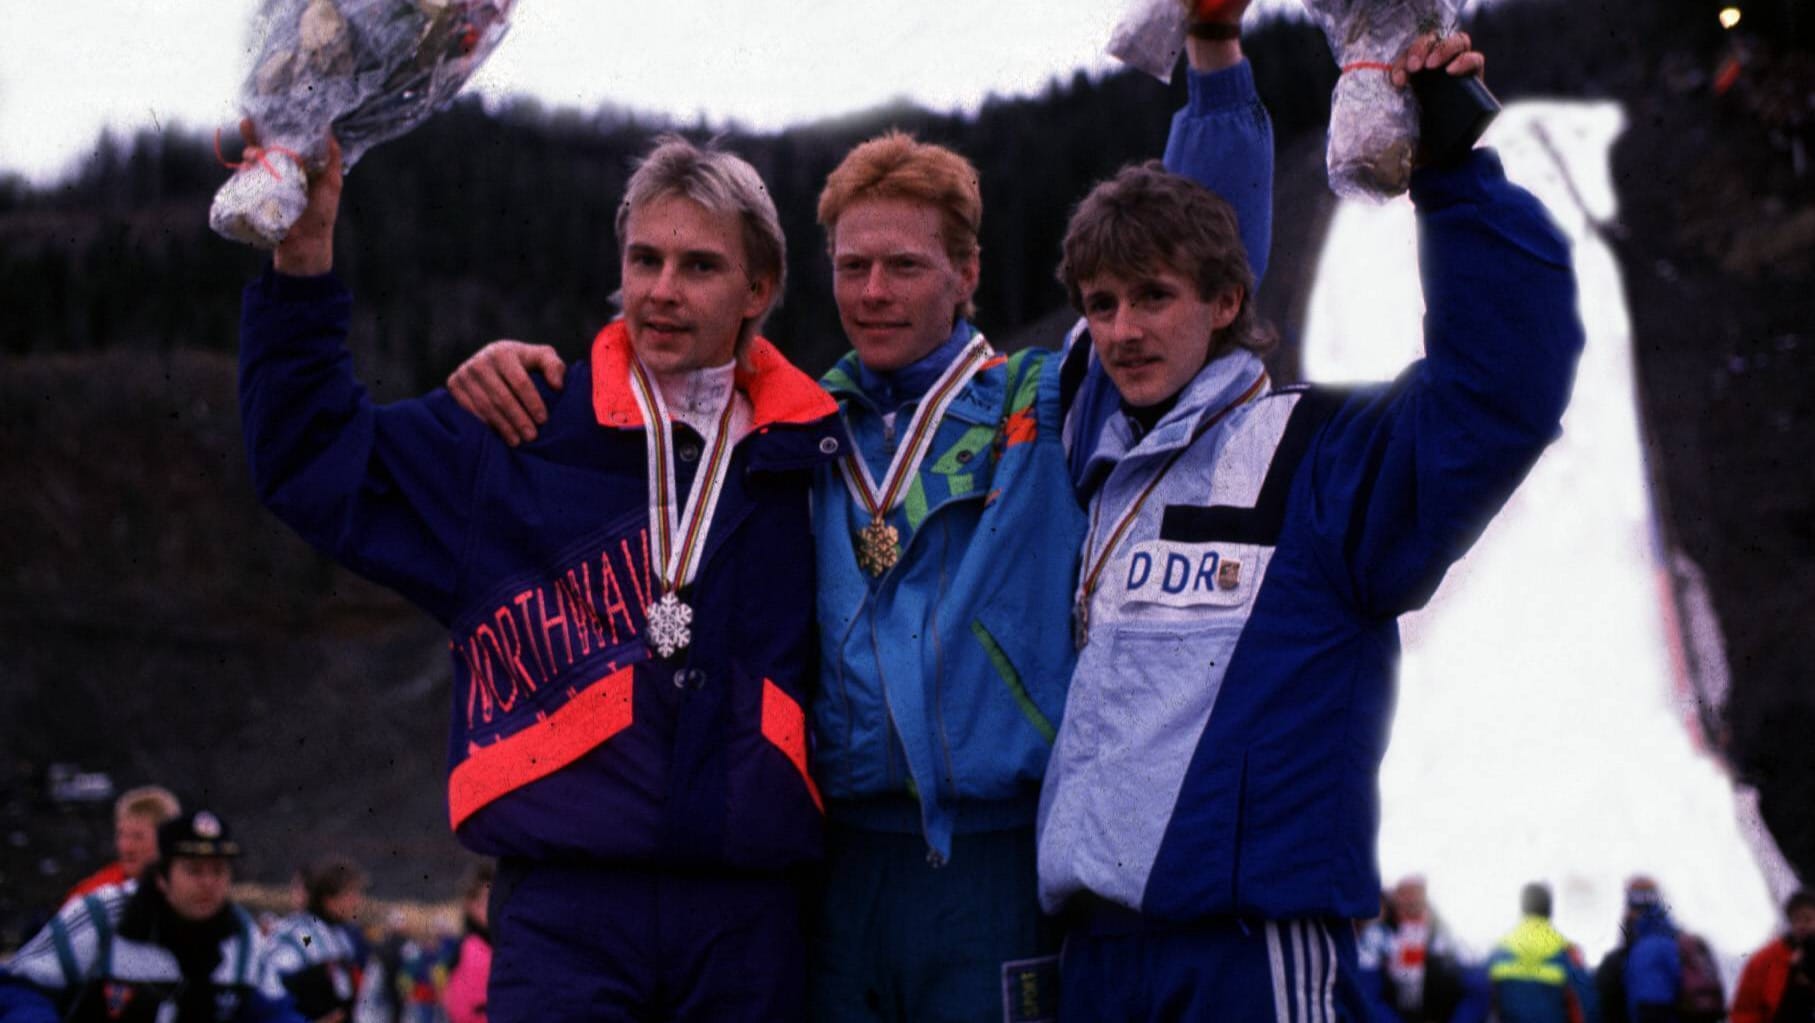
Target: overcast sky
[(69, 67)]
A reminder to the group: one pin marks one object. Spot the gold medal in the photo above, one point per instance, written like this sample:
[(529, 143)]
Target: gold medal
[(878, 547), (879, 544)]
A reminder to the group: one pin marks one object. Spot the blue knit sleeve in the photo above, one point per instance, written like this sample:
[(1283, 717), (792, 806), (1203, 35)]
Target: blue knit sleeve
[(385, 491), (22, 1003), (1223, 140)]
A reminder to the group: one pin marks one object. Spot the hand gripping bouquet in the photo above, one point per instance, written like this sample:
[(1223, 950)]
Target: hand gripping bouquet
[(1374, 128), (1151, 35), (370, 69)]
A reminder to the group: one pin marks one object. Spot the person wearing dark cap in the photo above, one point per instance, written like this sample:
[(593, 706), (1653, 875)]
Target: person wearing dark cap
[(170, 947), (318, 952), (1538, 975), (1778, 983), (1670, 975)]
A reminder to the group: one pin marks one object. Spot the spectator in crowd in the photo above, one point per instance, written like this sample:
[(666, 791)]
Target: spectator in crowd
[(469, 967), (136, 817), (318, 952), (1775, 986), (1373, 948), (419, 981), (387, 967), (1670, 975), (169, 946), (1610, 975), (1423, 971), (1538, 975)]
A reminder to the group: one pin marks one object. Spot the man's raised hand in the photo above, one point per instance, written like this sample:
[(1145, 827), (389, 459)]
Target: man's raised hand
[(308, 248), (1454, 53)]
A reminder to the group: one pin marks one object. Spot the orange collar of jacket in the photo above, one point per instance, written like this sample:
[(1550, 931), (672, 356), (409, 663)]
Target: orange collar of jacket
[(778, 392)]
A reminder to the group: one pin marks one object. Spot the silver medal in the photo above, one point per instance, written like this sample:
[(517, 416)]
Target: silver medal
[(669, 619)]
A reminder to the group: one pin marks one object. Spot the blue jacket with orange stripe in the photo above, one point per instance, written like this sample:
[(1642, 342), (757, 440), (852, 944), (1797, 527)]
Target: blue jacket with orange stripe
[(570, 737)]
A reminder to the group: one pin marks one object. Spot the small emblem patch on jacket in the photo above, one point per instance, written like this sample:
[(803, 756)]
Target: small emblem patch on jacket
[(1188, 575)]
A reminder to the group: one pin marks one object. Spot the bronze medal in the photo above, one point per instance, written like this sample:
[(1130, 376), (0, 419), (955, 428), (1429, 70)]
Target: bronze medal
[(879, 544), (878, 547)]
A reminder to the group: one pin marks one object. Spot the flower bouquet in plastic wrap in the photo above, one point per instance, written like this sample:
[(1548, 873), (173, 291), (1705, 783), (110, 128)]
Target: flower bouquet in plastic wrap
[(1150, 36), (369, 69), (1376, 130)]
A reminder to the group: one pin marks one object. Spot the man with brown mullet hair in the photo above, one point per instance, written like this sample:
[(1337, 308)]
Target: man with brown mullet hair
[(1210, 814)]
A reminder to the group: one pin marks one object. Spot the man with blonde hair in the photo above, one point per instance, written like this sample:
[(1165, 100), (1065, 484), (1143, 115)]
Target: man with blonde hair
[(136, 817), (631, 620)]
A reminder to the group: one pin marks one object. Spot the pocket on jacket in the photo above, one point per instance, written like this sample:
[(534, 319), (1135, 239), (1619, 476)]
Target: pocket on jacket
[(1134, 724), (1163, 679), (1291, 821)]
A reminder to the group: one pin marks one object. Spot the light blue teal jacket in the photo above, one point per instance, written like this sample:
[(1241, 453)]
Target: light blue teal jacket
[(943, 680), (939, 684)]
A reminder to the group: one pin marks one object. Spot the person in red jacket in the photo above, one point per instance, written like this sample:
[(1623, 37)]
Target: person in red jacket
[(137, 815), (1782, 968)]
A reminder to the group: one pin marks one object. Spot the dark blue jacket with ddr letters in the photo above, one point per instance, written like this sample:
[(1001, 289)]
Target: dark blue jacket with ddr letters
[(570, 737), (1221, 745)]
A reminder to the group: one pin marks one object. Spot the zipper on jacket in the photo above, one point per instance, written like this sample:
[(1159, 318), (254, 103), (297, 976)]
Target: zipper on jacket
[(888, 715), (945, 742)]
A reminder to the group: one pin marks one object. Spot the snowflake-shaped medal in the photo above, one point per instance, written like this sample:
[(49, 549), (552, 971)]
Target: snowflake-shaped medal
[(669, 619)]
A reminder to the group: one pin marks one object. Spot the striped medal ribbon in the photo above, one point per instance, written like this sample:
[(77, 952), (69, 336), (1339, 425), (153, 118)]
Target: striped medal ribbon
[(677, 537), (1093, 576), (879, 544)]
